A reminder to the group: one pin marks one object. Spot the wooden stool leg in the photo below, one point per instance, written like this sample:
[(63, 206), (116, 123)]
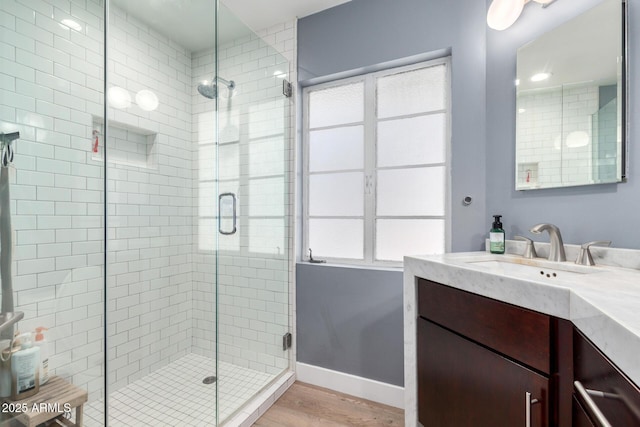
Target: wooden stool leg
[(79, 413)]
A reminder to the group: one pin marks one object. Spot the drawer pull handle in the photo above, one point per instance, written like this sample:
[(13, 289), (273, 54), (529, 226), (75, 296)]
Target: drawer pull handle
[(591, 405), (528, 401)]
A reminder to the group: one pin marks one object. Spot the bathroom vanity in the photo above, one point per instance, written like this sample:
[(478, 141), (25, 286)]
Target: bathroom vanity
[(500, 340)]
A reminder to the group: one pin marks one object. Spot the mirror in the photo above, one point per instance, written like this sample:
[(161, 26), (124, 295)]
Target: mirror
[(570, 102)]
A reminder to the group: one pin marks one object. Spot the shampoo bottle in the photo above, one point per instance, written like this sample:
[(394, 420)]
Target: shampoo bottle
[(25, 368), (496, 236), (41, 342)]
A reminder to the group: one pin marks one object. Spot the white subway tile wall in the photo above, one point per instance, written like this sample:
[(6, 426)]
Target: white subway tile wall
[(161, 199), (555, 129), (51, 79), (149, 199)]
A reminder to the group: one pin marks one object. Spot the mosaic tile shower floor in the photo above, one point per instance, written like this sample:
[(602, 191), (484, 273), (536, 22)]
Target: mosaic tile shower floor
[(175, 395)]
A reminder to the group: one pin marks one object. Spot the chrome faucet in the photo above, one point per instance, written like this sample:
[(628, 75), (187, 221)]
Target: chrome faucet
[(556, 251)]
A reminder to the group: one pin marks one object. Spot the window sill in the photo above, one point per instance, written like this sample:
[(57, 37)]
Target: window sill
[(398, 267)]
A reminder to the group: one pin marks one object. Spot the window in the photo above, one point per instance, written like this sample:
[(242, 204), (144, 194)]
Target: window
[(375, 168)]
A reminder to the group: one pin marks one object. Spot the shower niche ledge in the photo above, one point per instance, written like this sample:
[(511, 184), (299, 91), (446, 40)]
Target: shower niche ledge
[(128, 145)]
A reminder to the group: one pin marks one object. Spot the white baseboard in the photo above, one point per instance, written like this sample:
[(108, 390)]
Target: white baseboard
[(364, 388)]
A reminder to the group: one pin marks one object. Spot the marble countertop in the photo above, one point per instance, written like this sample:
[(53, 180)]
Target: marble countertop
[(604, 304)]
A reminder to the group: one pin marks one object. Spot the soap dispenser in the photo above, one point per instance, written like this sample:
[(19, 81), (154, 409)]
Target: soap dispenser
[(496, 236)]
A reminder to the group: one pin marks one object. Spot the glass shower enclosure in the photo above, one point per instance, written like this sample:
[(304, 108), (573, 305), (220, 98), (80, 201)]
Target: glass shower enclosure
[(145, 218)]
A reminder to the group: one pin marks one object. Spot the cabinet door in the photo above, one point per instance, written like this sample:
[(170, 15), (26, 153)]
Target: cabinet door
[(580, 417), (610, 391), (462, 384)]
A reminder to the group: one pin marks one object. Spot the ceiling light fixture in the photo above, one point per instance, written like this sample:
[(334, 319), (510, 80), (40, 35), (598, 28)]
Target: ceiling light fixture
[(503, 13)]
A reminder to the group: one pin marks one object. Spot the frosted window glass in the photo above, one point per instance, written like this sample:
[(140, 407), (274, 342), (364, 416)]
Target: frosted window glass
[(336, 105), (412, 92), (207, 201), (229, 161), (336, 194), (265, 118), (337, 238), (207, 230), (396, 238), (206, 162), (267, 197), (336, 149), (411, 192), (266, 157), (267, 236), (413, 141)]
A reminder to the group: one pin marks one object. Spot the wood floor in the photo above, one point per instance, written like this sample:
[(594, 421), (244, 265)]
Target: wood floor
[(304, 405)]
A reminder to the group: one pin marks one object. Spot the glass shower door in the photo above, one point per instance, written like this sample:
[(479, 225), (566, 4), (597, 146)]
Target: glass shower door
[(156, 375), (109, 215), (251, 219), (52, 210)]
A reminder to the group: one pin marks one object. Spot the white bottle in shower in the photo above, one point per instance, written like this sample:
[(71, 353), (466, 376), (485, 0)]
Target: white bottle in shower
[(42, 343), (25, 368)]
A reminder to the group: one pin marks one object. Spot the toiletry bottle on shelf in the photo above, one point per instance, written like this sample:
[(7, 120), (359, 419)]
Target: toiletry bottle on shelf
[(41, 342), (496, 236), (25, 369)]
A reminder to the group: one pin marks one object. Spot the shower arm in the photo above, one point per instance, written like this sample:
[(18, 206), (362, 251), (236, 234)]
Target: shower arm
[(228, 83)]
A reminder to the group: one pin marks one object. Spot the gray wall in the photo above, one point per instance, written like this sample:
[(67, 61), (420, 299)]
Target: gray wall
[(602, 212), (354, 38), (350, 320)]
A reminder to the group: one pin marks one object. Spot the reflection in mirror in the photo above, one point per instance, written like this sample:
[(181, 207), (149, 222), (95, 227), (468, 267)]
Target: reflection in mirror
[(570, 127)]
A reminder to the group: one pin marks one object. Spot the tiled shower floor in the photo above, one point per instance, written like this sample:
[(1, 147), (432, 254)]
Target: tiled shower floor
[(175, 395)]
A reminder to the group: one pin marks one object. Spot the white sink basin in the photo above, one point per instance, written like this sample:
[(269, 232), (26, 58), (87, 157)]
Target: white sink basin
[(536, 269)]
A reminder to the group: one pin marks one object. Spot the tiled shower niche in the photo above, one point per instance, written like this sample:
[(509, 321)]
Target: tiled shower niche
[(127, 145)]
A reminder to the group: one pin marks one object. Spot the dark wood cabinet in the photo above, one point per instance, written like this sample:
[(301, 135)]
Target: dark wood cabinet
[(479, 360), (461, 383), (607, 389), (580, 417)]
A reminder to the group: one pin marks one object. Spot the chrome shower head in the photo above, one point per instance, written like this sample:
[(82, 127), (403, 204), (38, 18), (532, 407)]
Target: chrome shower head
[(210, 89)]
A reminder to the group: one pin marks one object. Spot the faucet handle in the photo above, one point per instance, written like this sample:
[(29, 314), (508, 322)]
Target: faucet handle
[(584, 256), (530, 249)]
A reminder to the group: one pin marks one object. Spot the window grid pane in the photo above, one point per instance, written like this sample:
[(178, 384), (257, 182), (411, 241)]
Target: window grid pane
[(336, 194), (399, 237), (411, 141), (334, 149), (412, 92), (337, 238), (411, 192), (336, 105), (398, 150)]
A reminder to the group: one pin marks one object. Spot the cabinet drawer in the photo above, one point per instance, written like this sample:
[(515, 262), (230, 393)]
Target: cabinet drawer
[(621, 402), (516, 332)]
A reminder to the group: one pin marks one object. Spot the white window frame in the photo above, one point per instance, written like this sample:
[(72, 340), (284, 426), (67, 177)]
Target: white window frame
[(370, 167)]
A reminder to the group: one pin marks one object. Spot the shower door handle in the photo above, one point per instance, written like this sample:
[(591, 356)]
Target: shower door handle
[(224, 202)]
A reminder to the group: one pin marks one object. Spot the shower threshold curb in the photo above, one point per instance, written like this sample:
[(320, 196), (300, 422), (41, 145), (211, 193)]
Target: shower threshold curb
[(253, 410)]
